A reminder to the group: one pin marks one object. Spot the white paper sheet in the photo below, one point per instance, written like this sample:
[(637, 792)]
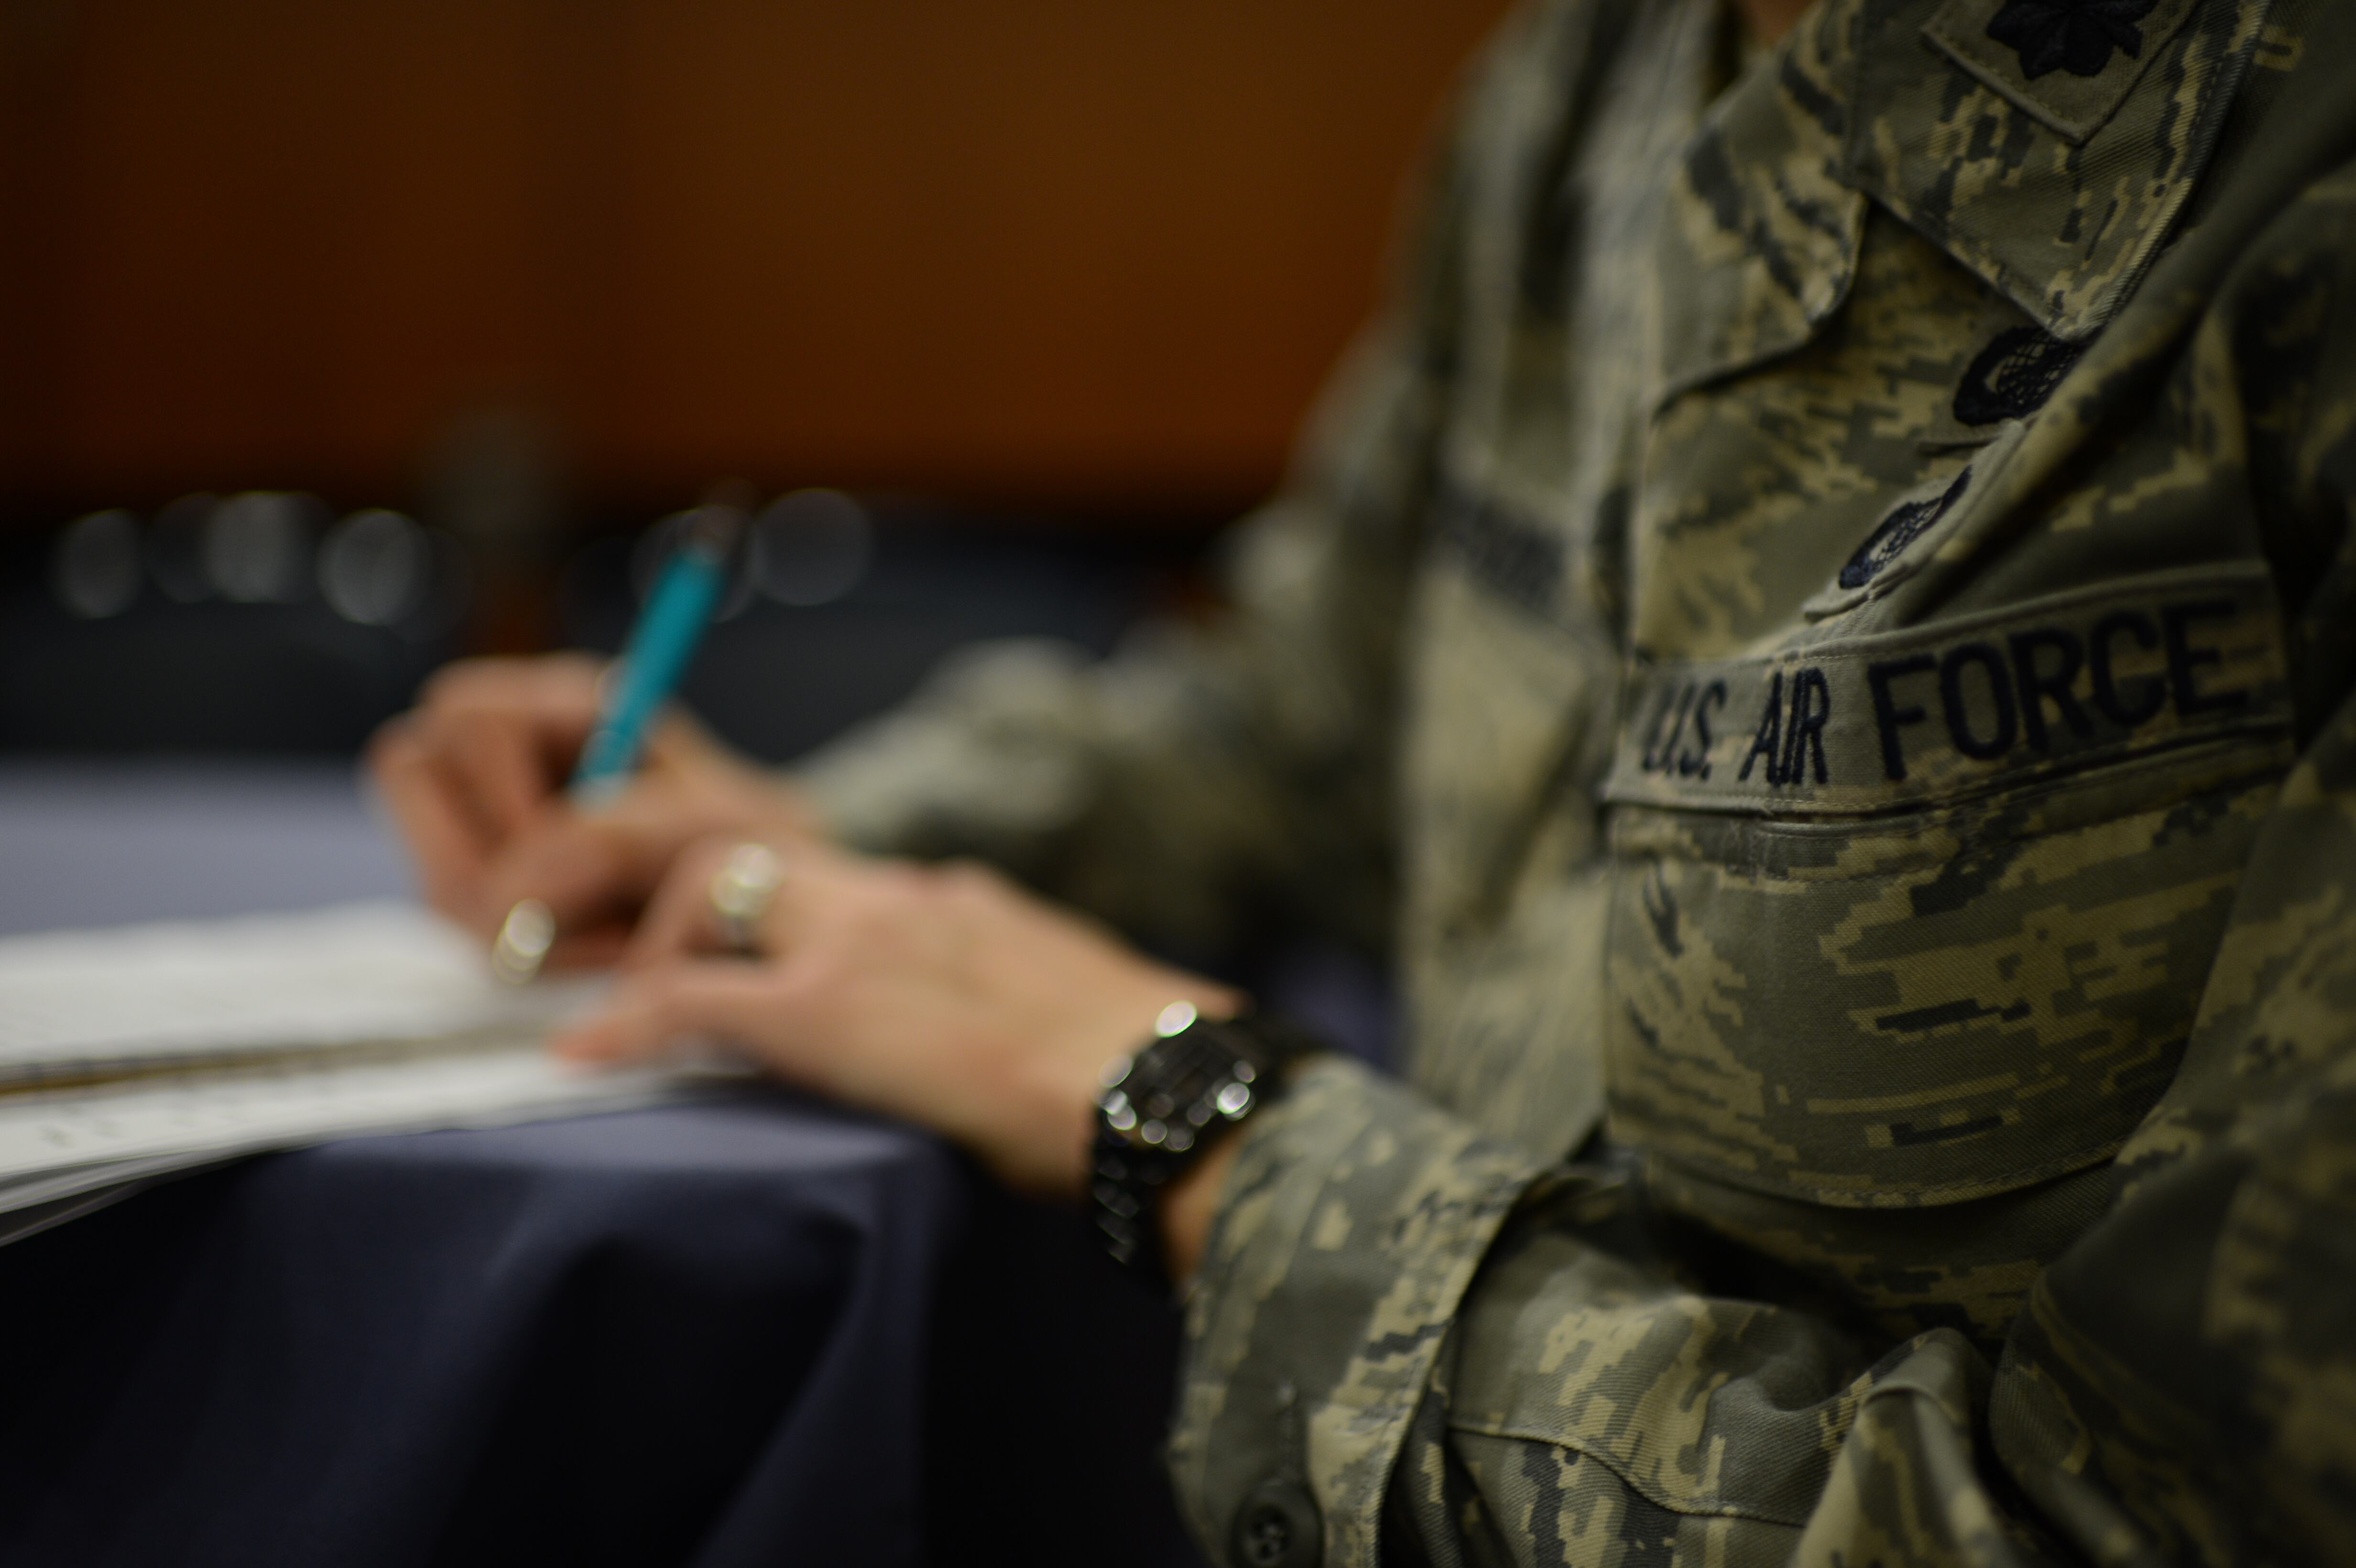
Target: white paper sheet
[(350, 972), (134, 1052)]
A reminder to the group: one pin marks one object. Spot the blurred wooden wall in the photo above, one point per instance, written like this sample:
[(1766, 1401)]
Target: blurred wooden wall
[(1073, 252)]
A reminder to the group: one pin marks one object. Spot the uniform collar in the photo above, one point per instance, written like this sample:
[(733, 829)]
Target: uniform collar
[(1760, 236), (2056, 188), (2045, 144)]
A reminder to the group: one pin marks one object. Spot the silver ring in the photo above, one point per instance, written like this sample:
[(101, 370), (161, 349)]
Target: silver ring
[(525, 937), (742, 891)]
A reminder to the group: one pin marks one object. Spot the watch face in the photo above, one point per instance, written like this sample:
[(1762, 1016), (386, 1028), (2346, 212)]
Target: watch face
[(1174, 1089)]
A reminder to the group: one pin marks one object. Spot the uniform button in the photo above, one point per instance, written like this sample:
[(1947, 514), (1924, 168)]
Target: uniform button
[(1277, 1528)]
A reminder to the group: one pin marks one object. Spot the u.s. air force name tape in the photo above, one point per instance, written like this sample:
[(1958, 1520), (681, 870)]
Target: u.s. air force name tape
[(1973, 703)]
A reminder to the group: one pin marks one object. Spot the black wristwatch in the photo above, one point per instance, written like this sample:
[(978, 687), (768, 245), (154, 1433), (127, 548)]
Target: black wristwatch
[(1164, 1107)]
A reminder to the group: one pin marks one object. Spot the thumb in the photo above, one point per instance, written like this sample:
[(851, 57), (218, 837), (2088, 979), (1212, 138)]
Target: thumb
[(653, 1009)]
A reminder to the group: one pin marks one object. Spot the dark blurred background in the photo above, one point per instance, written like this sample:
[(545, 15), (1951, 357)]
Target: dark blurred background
[(341, 336), (338, 339)]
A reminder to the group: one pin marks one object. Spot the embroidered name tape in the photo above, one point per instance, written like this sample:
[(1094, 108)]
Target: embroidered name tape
[(1511, 555), (1978, 703)]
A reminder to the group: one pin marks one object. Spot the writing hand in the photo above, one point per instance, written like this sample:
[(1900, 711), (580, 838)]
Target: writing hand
[(475, 776), (946, 995)]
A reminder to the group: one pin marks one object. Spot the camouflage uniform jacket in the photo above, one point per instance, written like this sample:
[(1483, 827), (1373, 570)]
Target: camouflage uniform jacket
[(1821, 632)]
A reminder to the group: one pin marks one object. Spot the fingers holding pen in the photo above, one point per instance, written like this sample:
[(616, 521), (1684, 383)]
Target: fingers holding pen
[(477, 762), (426, 804), (498, 767), (593, 871), (476, 774), (506, 731), (597, 871)]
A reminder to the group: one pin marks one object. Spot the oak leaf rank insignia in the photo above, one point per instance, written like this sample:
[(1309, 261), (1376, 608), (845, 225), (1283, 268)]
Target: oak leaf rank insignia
[(2075, 36)]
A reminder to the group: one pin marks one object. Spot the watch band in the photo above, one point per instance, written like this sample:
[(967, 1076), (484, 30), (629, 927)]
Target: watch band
[(1162, 1106)]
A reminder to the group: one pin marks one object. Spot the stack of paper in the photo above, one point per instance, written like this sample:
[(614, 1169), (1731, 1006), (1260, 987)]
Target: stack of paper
[(131, 1052)]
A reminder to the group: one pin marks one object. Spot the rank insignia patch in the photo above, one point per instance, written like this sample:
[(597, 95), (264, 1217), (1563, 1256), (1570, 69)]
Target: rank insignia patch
[(2071, 65), (2075, 36)]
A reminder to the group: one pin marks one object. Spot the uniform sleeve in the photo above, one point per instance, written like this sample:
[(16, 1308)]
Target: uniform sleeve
[(1411, 1346), (1202, 770), (1348, 1231)]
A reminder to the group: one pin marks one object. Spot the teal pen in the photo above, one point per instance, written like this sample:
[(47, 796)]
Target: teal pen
[(660, 646), (656, 655)]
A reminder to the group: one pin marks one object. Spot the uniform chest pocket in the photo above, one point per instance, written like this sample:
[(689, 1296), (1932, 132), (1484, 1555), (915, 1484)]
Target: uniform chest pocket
[(1924, 917)]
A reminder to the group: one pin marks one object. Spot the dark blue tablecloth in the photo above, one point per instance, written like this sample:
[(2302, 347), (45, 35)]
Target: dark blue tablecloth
[(688, 1335), (753, 1331)]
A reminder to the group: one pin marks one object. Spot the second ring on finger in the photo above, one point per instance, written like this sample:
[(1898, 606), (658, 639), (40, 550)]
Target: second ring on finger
[(742, 890)]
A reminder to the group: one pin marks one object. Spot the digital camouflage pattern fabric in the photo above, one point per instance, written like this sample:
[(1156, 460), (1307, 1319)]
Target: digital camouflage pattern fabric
[(1821, 635)]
